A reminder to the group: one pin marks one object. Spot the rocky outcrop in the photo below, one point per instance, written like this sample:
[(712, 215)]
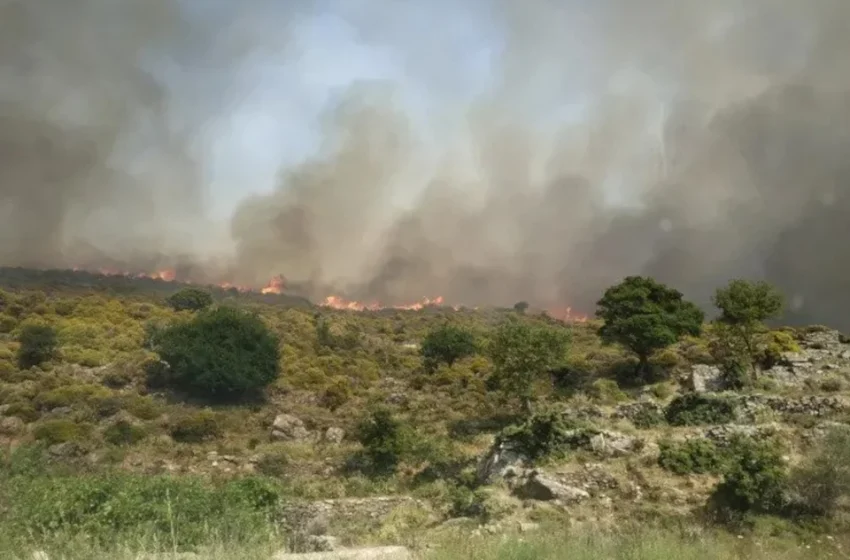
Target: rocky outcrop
[(539, 486), (503, 459), (334, 436), (289, 428), (706, 378), (724, 434)]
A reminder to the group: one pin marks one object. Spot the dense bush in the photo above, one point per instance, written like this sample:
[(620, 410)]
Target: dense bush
[(823, 480), (694, 456), (190, 299), (446, 345), (694, 409), (38, 344), (123, 432), (385, 440), (224, 354), (195, 426), (543, 434), (61, 431), (755, 479)]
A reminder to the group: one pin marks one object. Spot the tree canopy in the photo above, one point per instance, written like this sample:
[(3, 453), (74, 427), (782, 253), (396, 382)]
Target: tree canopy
[(646, 316), (447, 344)]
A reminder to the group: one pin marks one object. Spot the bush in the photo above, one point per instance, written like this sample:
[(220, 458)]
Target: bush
[(195, 427), (823, 480), (694, 456), (189, 299), (385, 440), (61, 431), (123, 432), (446, 345), (755, 479), (832, 384), (224, 354), (694, 409), (38, 345), (647, 417), (7, 324), (337, 394), (606, 391), (542, 435)]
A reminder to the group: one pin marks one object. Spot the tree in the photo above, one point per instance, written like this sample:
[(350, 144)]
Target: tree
[(521, 307), (38, 344), (385, 440), (222, 353), (744, 306), (521, 352), (646, 316), (189, 299), (446, 345)]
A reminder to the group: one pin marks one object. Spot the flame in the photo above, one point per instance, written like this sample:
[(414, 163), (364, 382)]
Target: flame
[(275, 286), (337, 302)]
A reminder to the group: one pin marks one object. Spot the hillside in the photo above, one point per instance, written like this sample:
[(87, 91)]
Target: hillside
[(99, 456)]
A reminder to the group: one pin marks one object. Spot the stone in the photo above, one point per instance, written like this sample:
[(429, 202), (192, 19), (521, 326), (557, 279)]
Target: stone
[(373, 553), (503, 459), (289, 428), (528, 527), (66, 450), (11, 426), (706, 378), (541, 487), (320, 543), (613, 444), (334, 435)]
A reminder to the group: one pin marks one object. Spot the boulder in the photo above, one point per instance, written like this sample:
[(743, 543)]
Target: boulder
[(334, 435), (705, 378), (503, 460), (11, 426), (542, 487), (613, 444), (289, 428)]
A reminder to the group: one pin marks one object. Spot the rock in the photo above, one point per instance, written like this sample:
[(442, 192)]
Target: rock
[(66, 450), (545, 488), (528, 527), (613, 444), (334, 435), (705, 378), (321, 543), (4, 408), (638, 410), (289, 428), (502, 461), (11, 426), (723, 434), (374, 553)]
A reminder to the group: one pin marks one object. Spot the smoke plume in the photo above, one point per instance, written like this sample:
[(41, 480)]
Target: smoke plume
[(712, 141)]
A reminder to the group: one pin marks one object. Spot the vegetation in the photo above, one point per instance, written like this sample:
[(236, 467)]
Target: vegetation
[(744, 306), (133, 431), (446, 345), (190, 299), (37, 345), (224, 353), (646, 316), (522, 352)]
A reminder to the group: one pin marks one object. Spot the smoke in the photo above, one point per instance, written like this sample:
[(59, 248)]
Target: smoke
[(708, 141)]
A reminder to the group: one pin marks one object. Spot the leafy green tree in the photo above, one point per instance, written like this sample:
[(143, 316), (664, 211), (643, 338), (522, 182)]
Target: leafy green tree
[(38, 345), (646, 316), (755, 478), (521, 306), (744, 306), (521, 352), (222, 353), (446, 345), (189, 299)]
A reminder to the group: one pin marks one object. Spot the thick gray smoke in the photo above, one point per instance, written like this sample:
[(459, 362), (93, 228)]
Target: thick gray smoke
[(716, 144)]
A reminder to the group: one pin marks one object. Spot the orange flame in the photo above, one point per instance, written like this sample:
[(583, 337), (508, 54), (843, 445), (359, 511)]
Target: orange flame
[(337, 302), (275, 286), (566, 315)]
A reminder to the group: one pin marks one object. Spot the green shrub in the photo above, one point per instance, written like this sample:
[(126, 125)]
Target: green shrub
[(189, 299), (662, 391), (446, 345), (647, 417), (543, 434), (72, 396), (694, 456), (7, 323), (385, 440), (123, 432), (695, 409), (755, 479), (23, 410), (273, 464), (832, 384), (337, 393), (823, 480), (606, 391), (38, 345), (61, 431), (224, 354), (142, 407), (195, 427)]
